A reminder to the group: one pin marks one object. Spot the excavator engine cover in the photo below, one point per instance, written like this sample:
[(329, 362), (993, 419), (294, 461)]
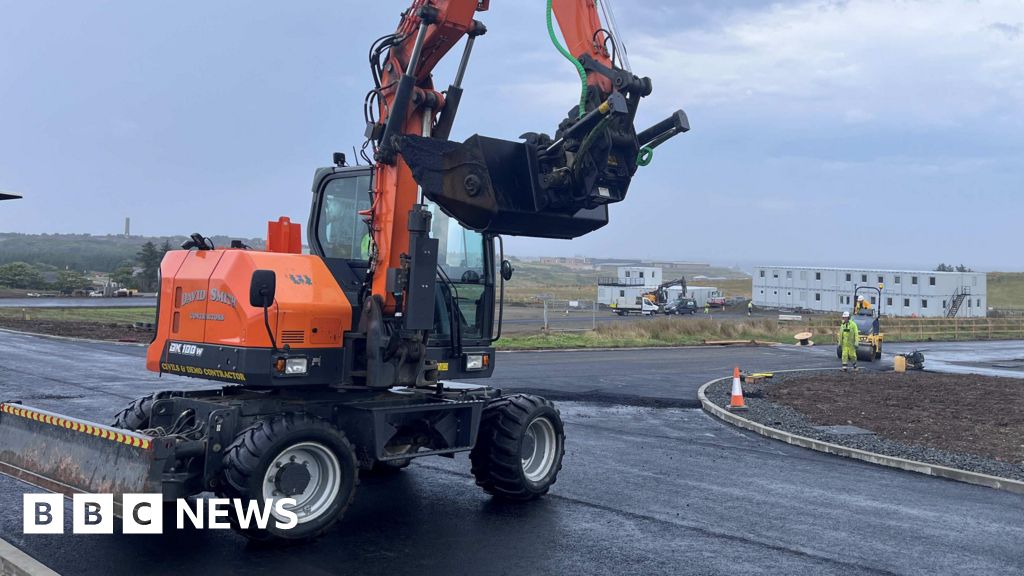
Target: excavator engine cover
[(496, 186)]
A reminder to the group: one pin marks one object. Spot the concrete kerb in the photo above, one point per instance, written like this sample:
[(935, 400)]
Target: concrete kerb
[(872, 457), (14, 562)]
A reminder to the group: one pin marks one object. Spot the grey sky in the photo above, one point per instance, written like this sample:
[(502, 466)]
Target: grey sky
[(850, 133)]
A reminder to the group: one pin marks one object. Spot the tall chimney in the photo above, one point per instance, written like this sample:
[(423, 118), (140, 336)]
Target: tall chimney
[(127, 226)]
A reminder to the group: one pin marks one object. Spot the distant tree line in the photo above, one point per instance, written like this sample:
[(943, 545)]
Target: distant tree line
[(951, 268), (62, 261), (27, 276), (86, 252)]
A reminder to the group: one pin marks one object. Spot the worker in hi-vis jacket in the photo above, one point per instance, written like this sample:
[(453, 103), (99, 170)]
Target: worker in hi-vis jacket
[(848, 335)]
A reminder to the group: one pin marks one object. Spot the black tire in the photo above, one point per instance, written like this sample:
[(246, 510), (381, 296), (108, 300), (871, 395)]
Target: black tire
[(136, 415), (497, 457), (248, 459)]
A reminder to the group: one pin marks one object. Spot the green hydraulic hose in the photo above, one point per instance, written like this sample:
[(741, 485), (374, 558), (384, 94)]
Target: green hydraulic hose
[(570, 58), (647, 152), (644, 157)]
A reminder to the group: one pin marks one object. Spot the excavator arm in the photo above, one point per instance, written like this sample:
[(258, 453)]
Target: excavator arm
[(659, 295), (542, 186)]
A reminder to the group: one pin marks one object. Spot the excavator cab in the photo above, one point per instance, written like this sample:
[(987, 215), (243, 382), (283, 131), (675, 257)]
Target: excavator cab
[(464, 298)]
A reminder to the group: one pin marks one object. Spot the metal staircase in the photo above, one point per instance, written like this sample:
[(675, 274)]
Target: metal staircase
[(959, 296)]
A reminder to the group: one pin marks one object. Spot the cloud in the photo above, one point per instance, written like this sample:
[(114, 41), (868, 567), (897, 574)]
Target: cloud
[(936, 63), (1012, 31)]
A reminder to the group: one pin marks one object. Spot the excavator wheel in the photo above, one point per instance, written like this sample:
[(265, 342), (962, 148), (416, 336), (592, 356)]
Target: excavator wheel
[(519, 448), (136, 415), (291, 456)]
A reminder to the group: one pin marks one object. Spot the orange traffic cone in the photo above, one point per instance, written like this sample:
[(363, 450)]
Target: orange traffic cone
[(737, 403)]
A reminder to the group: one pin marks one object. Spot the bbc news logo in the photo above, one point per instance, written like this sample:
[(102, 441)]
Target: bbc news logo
[(144, 513)]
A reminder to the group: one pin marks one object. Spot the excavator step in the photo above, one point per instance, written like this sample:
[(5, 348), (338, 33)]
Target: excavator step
[(68, 455)]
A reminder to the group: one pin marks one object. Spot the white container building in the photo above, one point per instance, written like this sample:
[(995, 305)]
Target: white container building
[(904, 293), (700, 294), (649, 276), (630, 283)]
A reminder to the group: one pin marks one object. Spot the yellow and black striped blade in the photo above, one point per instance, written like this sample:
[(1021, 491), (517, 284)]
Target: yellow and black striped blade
[(68, 455)]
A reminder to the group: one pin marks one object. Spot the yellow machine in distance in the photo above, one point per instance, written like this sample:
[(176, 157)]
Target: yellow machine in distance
[(867, 316)]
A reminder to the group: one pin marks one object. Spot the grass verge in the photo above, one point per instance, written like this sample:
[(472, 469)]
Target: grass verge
[(653, 332), (97, 315)]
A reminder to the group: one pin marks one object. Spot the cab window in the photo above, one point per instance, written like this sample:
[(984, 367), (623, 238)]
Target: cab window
[(341, 230), (462, 258)]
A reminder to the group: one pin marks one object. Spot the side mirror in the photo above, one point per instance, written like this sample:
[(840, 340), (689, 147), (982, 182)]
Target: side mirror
[(262, 288), (506, 270)]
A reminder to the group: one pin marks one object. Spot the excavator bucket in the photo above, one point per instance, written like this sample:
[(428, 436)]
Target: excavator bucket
[(538, 187), (494, 186), (68, 455)]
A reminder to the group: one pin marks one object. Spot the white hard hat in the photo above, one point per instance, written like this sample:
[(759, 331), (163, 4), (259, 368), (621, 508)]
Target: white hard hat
[(846, 314), (860, 298)]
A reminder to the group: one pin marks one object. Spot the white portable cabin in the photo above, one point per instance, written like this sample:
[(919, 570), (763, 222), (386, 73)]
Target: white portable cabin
[(700, 294), (650, 276), (630, 283), (904, 292)]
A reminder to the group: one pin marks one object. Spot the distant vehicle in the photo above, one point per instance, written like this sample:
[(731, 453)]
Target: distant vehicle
[(659, 296), (867, 318), (682, 306), (718, 302), (735, 300), (34, 295), (640, 305), (125, 292), (96, 294)]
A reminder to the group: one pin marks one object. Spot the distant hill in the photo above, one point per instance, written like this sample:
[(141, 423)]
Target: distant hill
[(85, 251), (1006, 289)]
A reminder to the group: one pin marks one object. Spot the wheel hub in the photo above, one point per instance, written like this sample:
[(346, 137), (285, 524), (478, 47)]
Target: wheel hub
[(292, 479), (529, 445), (539, 449), (308, 472)]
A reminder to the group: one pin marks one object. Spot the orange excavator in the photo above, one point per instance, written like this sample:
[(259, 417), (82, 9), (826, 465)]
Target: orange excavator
[(362, 354)]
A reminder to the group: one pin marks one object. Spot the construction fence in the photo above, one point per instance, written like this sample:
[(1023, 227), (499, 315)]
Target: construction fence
[(570, 315), (924, 329)]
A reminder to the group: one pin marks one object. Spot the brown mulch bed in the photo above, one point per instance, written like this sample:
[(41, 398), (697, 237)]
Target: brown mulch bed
[(78, 329), (958, 413)]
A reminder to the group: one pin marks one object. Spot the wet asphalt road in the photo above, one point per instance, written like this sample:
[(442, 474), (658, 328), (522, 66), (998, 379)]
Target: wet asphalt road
[(644, 490)]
